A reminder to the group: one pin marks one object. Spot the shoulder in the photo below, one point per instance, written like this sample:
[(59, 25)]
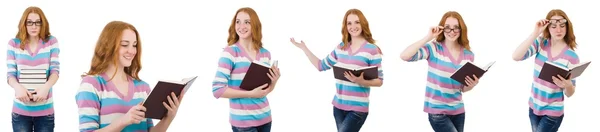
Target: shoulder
[(232, 49), (51, 40), (572, 56), (14, 42), (92, 81), (141, 84)]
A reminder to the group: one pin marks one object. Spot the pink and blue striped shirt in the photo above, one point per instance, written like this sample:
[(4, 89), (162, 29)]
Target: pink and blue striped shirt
[(443, 95), (232, 67), (100, 103), (44, 57), (547, 98), (351, 96)]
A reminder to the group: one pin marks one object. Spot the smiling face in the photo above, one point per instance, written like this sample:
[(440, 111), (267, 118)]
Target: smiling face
[(242, 25), (33, 24), (127, 48), (451, 29), (353, 25), (557, 27)]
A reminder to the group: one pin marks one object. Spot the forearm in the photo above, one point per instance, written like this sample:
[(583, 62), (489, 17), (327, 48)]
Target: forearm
[(233, 93), (519, 53), (371, 83), (12, 82), (162, 125), (313, 59), (467, 89), (272, 87), (51, 81), (569, 91), (112, 127), (411, 50)]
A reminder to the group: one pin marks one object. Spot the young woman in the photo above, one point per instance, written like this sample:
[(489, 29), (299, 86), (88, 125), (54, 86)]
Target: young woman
[(111, 93), (445, 54), (357, 49), (249, 110), (33, 48), (556, 45)]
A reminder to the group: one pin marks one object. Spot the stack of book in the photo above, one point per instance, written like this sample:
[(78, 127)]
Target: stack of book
[(33, 78)]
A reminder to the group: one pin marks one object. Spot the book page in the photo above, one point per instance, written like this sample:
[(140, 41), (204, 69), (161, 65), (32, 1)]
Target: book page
[(487, 67), (571, 67), (556, 65)]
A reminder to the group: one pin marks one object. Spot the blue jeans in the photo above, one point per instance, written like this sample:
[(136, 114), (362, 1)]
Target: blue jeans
[(349, 121), (447, 123), (261, 128), (21, 123), (544, 123)]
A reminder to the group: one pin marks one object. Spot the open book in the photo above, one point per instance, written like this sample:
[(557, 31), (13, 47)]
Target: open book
[(256, 76), (32, 79), (550, 69), (370, 72), (470, 69), (154, 103)]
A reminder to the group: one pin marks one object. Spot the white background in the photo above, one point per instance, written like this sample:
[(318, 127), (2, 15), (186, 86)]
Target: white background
[(182, 39)]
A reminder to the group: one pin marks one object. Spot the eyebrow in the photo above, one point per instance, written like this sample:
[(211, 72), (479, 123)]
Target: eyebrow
[(126, 41)]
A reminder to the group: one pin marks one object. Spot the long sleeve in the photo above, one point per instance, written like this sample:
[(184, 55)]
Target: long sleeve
[(54, 52), (423, 53), (11, 62), (329, 61), (88, 103), (223, 74), (534, 48)]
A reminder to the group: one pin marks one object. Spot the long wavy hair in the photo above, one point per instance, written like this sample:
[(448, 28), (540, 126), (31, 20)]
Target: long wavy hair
[(106, 52), (463, 39), (44, 28), (570, 36), (364, 24), (256, 28)]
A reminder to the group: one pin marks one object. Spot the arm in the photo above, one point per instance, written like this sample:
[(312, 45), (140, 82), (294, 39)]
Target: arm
[(375, 60), (161, 126), (11, 65), (88, 103), (418, 51), (54, 66), (527, 48), (321, 65), (223, 76)]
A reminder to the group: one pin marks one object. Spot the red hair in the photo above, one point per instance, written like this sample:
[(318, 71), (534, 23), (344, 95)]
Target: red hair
[(570, 36), (255, 27), (44, 28), (364, 24), (463, 39)]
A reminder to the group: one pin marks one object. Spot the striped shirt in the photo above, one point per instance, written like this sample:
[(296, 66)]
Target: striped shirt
[(100, 103), (233, 65), (44, 57), (351, 96), (547, 98), (443, 95)]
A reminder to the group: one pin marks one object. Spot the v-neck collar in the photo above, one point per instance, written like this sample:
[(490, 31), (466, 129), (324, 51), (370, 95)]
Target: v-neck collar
[(351, 52), (34, 52), (551, 56), (130, 88), (456, 60), (245, 54)]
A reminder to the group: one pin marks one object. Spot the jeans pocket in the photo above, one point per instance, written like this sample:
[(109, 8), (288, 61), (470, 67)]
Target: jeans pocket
[(436, 117), (360, 115)]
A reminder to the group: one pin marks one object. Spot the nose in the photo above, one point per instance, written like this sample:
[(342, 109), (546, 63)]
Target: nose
[(131, 50)]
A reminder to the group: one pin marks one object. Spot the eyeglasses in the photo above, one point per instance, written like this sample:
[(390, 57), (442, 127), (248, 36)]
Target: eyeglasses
[(557, 21), (448, 29), (31, 23)]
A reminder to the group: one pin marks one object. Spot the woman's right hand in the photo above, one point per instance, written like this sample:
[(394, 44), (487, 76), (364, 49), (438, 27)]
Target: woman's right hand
[(136, 114), (260, 91), (541, 25), (22, 94), (434, 32), (300, 44)]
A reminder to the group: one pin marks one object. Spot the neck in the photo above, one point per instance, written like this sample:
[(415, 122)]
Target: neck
[(247, 43), (557, 41), (118, 73), (34, 39), (451, 44), (357, 40)]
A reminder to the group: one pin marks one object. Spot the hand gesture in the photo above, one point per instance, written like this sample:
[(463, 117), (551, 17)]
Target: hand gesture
[(260, 91), (471, 82), (353, 78), (434, 31), (173, 106), (135, 115), (300, 44), (541, 25), (23, 95), (40, 95), (562, 82)]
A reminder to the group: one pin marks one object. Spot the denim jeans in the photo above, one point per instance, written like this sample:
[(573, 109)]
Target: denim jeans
[(544, 123), (349, 121), (447, 123), (21, 123), (261, 128)]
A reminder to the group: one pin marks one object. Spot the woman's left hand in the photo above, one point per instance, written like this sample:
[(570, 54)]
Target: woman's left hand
[(471, 82), (562, 82), (353, 78), (173, 105)]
